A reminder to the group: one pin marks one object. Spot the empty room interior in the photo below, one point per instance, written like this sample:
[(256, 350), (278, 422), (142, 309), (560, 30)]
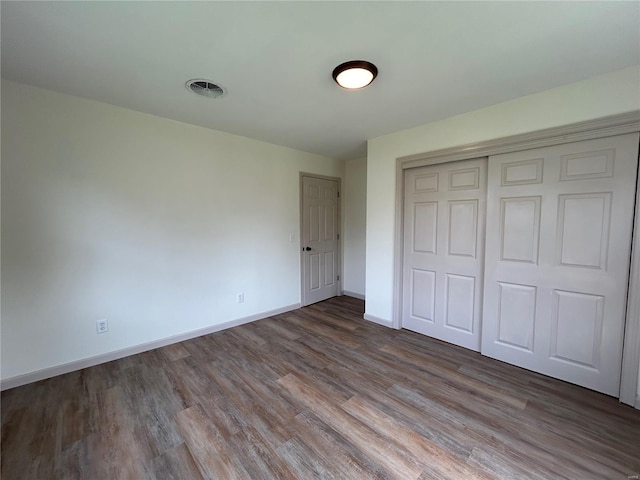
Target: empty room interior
[(296, 240)]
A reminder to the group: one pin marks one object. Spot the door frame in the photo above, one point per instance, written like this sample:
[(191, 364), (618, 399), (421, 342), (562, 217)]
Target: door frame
[(303, 302), (588, 130)]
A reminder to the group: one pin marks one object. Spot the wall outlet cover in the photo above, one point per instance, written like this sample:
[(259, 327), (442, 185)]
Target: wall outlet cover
[(102, 326)]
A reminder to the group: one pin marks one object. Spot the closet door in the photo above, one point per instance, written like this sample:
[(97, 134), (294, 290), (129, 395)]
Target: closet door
[(444, 212), (559, 226)]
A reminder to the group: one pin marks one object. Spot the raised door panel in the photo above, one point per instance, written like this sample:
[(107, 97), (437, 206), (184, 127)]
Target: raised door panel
[(463, 228), (330, 223), (460, 302), (464, 179), (519, 229), (522, 172), (583, 229), (315, 224), (314, 272), (330, 275), (425, 227), (423, 292), (516, 316), (576, 335), (587, 165), (426, 183)]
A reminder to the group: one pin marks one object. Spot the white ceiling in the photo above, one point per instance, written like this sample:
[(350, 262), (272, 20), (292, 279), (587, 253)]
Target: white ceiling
[(436, 59)]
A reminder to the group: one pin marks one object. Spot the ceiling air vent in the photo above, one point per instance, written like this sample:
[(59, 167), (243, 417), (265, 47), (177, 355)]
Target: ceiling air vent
[(205, 88)]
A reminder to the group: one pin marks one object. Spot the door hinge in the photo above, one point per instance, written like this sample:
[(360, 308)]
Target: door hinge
[(338, 277), (338, 194), (338, 236)]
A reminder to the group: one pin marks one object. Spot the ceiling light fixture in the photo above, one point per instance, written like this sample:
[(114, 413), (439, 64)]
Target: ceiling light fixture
[(355, 74)]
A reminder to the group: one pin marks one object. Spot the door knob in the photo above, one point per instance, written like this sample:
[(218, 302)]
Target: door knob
[(307, 249)]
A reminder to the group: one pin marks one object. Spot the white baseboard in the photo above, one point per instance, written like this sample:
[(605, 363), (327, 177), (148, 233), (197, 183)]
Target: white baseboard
[(378, 320), (30, 377), (359, 296)]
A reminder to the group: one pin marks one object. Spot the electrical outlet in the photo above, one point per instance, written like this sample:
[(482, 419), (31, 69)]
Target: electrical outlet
[(240, 297), (102, 326)]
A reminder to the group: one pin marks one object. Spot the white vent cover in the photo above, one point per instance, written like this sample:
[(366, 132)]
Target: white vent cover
[(205, 88)]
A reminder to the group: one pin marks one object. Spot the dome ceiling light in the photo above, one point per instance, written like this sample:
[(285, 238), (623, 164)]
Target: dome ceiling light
[(355, 74)]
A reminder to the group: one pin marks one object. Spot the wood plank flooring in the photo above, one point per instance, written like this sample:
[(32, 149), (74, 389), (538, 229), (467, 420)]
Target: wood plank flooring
[(314, 393)]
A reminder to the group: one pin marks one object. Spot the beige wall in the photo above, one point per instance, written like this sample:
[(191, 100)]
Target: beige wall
[(355, 208), (150, 223)]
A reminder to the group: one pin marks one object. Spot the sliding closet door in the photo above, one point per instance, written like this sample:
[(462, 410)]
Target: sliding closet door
[(559, 226), (443, 251)]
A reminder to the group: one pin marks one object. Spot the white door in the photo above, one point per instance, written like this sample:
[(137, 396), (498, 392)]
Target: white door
[(444, 218), (559, 226), (319, 239)]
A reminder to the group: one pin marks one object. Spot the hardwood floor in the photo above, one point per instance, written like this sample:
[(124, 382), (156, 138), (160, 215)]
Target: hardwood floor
[(314, 393)]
